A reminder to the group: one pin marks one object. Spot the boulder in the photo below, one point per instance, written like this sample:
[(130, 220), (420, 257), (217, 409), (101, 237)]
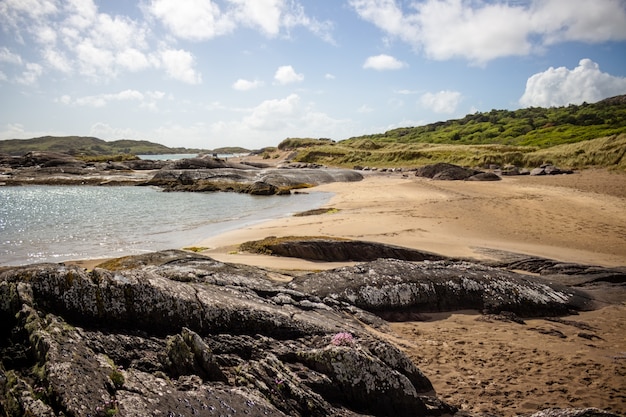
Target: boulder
[(484, 176), (445, 171)]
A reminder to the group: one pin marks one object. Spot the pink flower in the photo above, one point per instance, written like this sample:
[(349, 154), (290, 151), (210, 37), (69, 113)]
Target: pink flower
[(342, 339)]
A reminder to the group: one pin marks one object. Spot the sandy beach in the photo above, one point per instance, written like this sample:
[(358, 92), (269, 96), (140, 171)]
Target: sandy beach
[(572, 218), (478, 364)]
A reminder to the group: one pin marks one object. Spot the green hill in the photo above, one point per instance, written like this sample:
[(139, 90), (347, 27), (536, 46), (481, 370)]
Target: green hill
[(525, 137), (87, 146)]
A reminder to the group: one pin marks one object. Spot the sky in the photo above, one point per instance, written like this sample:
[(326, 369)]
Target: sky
[(250, 73)]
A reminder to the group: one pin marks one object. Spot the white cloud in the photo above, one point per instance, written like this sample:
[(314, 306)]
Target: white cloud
[(287, 75), (9, 57), (561, 86), (100, 100), (481, 31), (329, 76), (580, 20), (45, 35), (94, 61), (179, 66), (441, 102), (199, 20), (365, 109), (273, 114), (246, 85), (57, 60), (265, 14), (132, 60), (31, 74), (383, 62), (194, 20), (105, 131)]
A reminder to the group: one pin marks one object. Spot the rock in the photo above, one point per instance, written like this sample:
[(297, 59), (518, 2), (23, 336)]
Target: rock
[(393, 288), (484, 176), (262, 182), (445, 171), (49, 159), (335, 250), (548, 169), (184, 334), (584, 273)]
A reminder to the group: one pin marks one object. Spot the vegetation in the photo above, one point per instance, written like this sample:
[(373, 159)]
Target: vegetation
[(263, 246), (572, 136), (82, 146), (231, 150)]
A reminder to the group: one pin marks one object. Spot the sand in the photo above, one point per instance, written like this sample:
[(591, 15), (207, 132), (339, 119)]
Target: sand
[(553, 217), (497, 367)]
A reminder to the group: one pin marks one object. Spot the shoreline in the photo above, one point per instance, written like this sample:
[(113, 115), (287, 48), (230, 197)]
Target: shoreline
[(564, 217)]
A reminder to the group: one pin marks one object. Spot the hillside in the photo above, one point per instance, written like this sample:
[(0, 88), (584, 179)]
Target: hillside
[(574, 136), (87, 146)]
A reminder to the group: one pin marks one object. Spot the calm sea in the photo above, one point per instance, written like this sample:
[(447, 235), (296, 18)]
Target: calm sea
[(58, 223)]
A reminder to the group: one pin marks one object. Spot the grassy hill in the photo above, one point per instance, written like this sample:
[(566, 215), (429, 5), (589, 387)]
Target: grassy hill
[(87, 146), (572, 136)]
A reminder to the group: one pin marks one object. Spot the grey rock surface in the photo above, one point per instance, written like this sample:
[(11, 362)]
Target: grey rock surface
[(393, 288), (184, 334)]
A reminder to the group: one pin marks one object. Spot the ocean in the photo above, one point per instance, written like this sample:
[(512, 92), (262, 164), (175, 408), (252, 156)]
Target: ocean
[(42, 223)]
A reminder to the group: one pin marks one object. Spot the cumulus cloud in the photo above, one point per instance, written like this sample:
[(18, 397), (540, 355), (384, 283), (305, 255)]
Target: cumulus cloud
[(246, 85), (73, 37), (198, 20), (561, 86), (482, 31), (287, 75), (441, 102), (383, 62), (273, 114), (179, 64), (192, 19)]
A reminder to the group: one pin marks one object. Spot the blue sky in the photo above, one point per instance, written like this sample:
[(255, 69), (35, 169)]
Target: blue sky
[(213, 73)]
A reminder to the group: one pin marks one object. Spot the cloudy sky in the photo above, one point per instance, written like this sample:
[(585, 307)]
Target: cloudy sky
[(212, 73)]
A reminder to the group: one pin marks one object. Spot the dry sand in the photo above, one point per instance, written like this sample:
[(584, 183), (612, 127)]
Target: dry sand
[(574, 218), (498, 367)]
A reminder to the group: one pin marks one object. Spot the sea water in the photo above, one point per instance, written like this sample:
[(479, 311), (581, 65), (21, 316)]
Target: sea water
[(43, 223)]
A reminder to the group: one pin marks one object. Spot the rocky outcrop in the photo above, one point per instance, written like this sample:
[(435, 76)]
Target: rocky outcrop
[(253, 181), (396, 289), (182, 334), (204, 173), (176, 333), (334, 250), (450, 172)]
